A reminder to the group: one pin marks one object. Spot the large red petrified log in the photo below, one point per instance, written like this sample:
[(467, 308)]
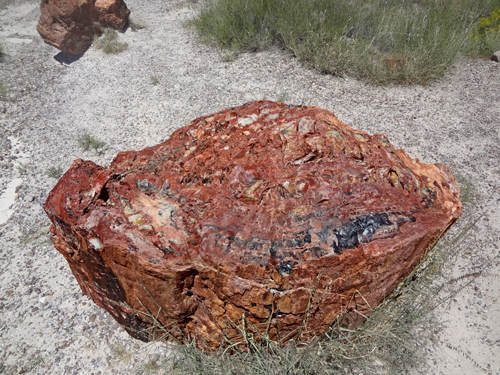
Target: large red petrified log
[(70, 25), (266, 211)]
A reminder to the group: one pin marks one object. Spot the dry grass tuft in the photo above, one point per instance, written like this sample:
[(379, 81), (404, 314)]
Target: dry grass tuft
[(108, 42)]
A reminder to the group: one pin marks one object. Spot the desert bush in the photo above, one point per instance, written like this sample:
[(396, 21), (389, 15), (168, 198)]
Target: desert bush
[(485, 39), (393, 41)]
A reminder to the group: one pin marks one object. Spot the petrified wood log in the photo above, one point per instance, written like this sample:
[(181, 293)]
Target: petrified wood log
[(70, 25), (281, 214)]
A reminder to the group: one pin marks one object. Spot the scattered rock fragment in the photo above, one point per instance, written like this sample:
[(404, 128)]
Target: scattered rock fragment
[(270, 212), (496, 56)]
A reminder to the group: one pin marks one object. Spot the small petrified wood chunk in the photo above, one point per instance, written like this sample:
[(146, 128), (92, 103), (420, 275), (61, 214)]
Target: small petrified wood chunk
[(266, 210)]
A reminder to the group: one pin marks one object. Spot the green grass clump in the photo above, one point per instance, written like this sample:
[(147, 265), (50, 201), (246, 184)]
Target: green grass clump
[(467, 188), (23, 168), (281, 98), (108, 42), (392, 41), (29, 237), (154, 80), (55, 172), (88, 142), (3, 89)]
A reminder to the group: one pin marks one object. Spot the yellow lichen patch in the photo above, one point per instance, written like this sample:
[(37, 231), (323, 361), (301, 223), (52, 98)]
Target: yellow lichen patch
[(136, 219), (394, 178)]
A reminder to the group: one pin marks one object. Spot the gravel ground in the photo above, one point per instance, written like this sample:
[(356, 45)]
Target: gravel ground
[(48, 327)]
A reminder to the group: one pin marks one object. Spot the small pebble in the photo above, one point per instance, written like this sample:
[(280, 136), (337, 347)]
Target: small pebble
[(154, 357)]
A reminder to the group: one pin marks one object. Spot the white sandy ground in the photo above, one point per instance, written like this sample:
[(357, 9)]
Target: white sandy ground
[(48, 327)]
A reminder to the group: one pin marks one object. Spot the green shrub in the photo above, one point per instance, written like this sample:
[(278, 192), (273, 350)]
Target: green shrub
[(392, 41), (486, 37), (489, 24)]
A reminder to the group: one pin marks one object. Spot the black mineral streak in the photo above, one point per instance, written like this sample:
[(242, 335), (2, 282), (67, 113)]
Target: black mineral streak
[(360, 230), (285, 252)]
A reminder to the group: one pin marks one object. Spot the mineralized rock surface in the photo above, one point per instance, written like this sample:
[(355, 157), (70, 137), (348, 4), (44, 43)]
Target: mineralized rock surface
[(279, 214), (70, 25)]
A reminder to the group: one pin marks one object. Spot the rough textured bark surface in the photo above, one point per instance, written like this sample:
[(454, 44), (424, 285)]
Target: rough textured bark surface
[(70, 25), (277, 213)]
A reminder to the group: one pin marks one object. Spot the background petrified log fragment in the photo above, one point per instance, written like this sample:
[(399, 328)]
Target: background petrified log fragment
[(70, 25), (248, 211)]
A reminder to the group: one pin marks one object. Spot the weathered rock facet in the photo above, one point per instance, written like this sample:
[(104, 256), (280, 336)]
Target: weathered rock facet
[(269, 211), (70, 25), (496, 56)]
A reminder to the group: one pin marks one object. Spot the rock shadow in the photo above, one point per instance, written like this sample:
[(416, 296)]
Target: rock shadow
[(67, 59)]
